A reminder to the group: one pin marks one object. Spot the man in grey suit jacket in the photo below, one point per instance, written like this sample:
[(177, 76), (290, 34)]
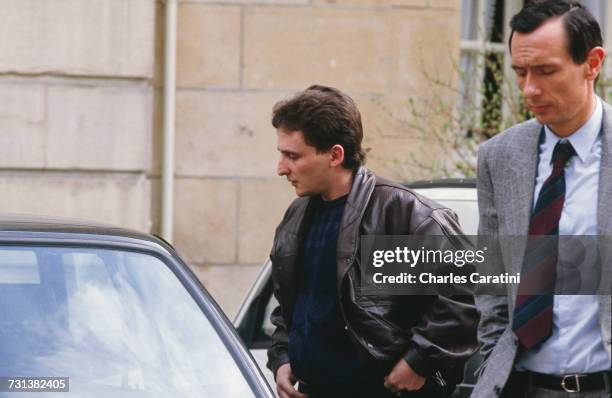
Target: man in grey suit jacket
[(561, 347)]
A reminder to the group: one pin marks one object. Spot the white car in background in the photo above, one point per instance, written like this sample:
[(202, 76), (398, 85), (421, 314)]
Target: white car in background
[(253, 318)]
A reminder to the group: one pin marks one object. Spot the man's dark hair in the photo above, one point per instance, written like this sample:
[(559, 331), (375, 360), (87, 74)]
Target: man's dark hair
[(327, 117), (582, 29)]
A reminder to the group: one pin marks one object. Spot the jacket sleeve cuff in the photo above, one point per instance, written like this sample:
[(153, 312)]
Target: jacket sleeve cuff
[(279, 361), (419, 363)]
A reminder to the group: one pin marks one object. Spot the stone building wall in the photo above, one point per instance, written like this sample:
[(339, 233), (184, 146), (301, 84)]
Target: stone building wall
[(80, 121), (76, 108)]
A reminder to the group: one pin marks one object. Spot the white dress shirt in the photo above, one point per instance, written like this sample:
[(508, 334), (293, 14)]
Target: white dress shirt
[(576, 344)]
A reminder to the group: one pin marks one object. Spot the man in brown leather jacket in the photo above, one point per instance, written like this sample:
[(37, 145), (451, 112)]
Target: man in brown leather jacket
[(334, 341)]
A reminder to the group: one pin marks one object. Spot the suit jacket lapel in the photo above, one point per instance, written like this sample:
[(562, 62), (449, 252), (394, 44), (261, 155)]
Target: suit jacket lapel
[(521, 182)]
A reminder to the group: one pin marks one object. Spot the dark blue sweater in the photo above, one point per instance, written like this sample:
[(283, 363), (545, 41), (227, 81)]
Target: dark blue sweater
[(320, 349)]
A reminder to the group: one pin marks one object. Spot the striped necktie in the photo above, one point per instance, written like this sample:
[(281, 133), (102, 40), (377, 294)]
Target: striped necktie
[(533, 313)]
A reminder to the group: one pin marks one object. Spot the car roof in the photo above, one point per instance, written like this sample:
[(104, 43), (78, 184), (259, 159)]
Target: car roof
[(60, 225)]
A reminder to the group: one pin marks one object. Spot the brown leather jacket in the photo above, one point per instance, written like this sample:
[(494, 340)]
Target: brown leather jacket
[(433, 333)]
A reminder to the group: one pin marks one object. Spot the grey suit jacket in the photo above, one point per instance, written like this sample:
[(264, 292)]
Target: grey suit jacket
[(507, 166)]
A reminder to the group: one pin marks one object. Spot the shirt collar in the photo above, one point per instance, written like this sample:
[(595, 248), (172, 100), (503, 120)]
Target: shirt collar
[(582, 139)]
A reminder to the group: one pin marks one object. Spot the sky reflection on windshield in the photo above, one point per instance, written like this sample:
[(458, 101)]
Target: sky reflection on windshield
[(117, 323)]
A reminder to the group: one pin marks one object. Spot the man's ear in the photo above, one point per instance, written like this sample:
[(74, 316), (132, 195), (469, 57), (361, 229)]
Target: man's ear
[(337, 155), (594, 62)]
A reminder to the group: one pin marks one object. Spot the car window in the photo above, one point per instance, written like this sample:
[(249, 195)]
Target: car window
[(117, 323)]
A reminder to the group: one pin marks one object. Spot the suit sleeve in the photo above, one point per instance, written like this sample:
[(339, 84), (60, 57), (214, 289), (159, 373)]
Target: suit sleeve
[(493, 309), (446, 335)]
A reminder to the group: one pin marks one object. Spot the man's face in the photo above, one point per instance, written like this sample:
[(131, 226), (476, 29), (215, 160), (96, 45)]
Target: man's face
[(557, 91), (307, 170)]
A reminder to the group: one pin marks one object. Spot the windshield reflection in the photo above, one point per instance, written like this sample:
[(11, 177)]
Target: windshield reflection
[(116, 323)]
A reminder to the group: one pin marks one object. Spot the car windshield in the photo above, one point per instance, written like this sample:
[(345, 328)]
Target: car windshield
[(117, 323)]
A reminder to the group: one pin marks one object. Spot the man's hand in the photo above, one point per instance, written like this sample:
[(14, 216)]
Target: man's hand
[(285, 382), (402, 377)]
